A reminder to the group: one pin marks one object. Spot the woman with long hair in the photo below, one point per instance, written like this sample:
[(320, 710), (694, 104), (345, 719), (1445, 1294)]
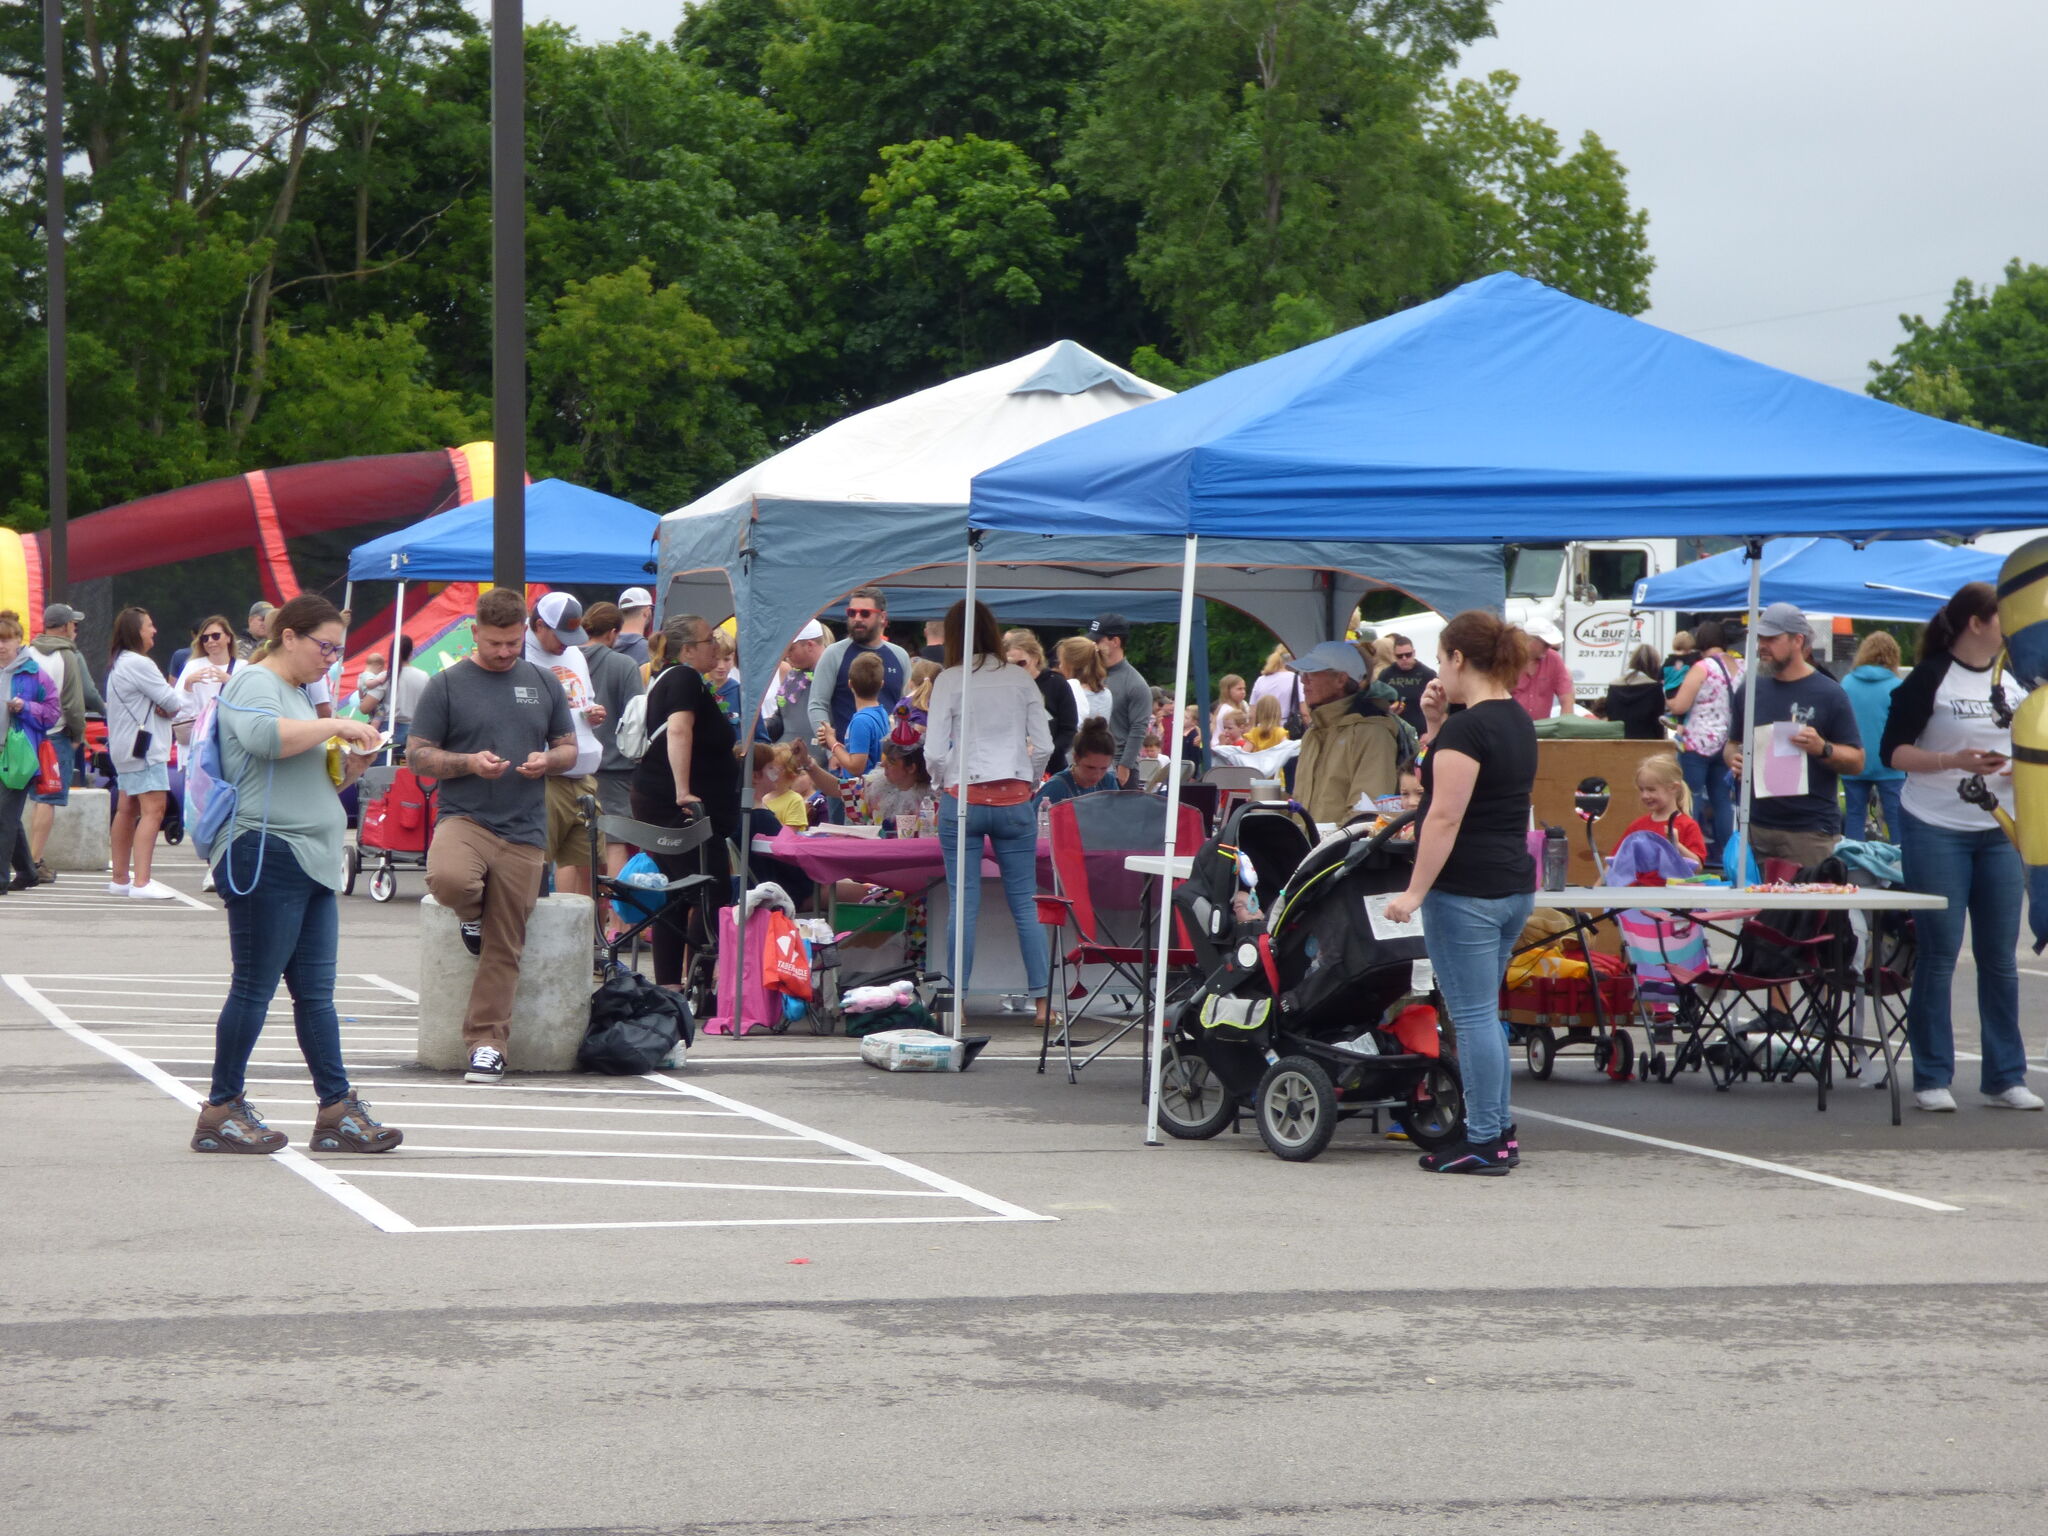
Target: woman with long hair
[(994, 772), (1943, 731), (1872, 680), (141, 707), (1705, 702), (1278, 681), (1473, 881), (278, 867), (212, 662), (1062, 710), (1080, 663)]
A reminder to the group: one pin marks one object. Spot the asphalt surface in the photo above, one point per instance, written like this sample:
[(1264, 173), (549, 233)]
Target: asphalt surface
[(975, 1302)]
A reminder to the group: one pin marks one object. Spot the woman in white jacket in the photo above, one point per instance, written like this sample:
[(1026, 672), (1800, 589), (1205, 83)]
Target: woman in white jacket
[(141, 706), (1004, 756)]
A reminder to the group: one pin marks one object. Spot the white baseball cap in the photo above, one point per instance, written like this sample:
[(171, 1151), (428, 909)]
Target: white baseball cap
[(635, 597), (564, 615), (1548, 633), (811, 631)]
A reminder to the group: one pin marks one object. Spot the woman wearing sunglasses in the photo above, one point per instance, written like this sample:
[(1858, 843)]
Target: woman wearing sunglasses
[(213, 661), (278, 867)]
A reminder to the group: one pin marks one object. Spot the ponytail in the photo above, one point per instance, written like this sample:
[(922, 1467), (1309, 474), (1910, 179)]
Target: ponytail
[(1498, 650), (1973, 600)]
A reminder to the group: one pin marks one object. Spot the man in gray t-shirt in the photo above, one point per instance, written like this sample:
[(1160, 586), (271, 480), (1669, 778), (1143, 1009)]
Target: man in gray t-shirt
[(1130, 698), (491, 729)]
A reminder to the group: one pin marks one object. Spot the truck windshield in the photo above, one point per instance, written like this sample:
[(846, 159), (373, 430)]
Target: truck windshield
[(1536, 572)]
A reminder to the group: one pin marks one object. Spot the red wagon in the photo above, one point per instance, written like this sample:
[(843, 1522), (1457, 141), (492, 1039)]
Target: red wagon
[(394, 824)]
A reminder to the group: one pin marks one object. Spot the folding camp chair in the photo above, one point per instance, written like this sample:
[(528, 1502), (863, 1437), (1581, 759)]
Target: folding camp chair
[(688, 898), (1107, 908)]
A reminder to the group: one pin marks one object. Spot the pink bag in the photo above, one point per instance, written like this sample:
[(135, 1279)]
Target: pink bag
[(763, 1008)]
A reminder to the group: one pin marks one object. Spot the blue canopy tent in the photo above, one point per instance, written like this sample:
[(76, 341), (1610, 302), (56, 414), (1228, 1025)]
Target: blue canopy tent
[(1894, 579), (1508, 411)]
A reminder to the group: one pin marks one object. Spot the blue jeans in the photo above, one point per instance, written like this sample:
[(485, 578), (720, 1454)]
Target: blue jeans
[(1981, 875), (1713, 799), (1470, 939), (1856, 806), (284, 929), (1012, 831)]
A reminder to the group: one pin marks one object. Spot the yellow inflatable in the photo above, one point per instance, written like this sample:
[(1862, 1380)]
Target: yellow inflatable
[(2023, 616), (21, 577)]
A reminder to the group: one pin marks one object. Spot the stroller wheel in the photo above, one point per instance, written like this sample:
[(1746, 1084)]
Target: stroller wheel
[(1193, 1103), (1297, 1109), (383, 883), (351, 866), (1541, 1046), (1435, 1115)]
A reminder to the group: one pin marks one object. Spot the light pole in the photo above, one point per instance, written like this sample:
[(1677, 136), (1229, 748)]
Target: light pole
[(508, 290), (57, 580)]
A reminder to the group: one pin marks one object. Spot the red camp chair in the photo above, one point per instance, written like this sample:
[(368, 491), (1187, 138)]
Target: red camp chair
[(1107, 908)]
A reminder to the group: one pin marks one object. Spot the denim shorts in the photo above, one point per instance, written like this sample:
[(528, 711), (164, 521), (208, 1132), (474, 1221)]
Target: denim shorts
[(67, 760), (150, 777)]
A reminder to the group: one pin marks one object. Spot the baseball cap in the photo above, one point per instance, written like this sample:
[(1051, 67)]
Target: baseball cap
[(811, 631), (635, 597), (564, 615), (60, 613), (1109, 626), (261, 607), (1332, 656), (1783, 619), (1547, 632)]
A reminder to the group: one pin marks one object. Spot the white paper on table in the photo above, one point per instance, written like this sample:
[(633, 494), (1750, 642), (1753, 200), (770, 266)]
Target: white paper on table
[(1781, 769), (1384, 927)]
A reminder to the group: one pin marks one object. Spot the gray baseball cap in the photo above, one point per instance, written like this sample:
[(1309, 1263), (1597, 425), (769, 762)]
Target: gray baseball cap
[(1332, 656), (1783, 619), (59, 614)]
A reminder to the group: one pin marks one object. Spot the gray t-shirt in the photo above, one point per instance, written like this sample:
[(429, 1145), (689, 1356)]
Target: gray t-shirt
[(296, 804), (615, 680), (1130, 711), (467, 708)]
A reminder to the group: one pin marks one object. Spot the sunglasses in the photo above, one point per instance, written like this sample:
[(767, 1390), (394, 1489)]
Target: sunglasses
[(862, 613), (212, 635), (1404, 655)]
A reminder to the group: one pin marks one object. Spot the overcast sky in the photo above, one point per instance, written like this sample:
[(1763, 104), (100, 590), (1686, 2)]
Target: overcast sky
[(1853, 157)]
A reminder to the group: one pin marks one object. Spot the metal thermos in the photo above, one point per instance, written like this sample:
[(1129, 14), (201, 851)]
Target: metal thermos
[(1556, 858)]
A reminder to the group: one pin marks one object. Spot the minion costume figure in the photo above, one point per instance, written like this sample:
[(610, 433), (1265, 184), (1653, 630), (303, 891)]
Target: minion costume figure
[(2023, 616)]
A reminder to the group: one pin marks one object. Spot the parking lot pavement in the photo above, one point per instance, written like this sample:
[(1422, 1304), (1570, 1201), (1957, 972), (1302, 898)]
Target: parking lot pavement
[(1626, 1335)]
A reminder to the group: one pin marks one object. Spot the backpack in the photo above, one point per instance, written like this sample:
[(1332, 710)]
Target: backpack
[(211, 798), (632, 737), (633, 1026)]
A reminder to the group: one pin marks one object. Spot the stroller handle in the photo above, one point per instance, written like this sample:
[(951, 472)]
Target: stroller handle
[(1380, 838)]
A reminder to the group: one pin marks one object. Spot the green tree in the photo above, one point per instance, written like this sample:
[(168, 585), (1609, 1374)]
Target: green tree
[(1529, 208), (632, 392), (965, 238), (338, 393), (1985, 363)]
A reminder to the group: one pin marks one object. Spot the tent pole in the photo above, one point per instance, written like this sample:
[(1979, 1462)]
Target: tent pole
[(1156, 1047), (967, 655), (739, 994), (391, 676), (1756, 587)]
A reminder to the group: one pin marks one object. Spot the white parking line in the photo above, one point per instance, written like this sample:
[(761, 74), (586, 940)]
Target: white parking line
[(759, 1189), (1736, 1157)]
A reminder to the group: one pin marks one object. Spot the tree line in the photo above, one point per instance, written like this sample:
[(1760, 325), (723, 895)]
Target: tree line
[(788, 211)]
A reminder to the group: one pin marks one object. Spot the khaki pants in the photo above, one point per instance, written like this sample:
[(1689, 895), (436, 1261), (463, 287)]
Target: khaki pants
[(1803, 848), (477, 874)]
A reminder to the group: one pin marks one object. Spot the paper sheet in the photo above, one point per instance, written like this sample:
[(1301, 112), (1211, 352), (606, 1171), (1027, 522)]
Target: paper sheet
[(1781, 768), (1384, 927)]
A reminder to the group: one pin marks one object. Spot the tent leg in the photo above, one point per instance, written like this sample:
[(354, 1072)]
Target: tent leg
[(956, 1020), (1156, 1046), (391, 677), (1756, 587), (739, 927)]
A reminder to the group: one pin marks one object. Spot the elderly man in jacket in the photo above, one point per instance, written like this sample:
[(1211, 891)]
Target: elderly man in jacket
[(1352, 746)]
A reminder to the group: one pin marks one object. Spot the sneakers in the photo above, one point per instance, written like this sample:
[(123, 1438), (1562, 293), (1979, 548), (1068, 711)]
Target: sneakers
[(1511, 1149), (45, 874), (486, 1065), (2018, 1096), (118, 887), (1488, 1159), (346, 1126), (206, 881), (23, 883), (155, 890), (473, 937), (235, 1127), (1936, 1100)]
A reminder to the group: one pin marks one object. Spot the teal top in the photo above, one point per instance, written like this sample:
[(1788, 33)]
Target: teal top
[(304, 812)]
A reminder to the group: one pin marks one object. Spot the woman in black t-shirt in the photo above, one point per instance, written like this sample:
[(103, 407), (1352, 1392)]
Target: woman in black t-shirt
[(688, 770), (1473, 880)]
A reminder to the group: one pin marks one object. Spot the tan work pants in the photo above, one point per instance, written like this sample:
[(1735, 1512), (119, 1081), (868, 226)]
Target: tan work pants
[(477, 874)]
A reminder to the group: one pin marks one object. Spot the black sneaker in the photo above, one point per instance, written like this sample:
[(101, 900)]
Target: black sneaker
[(1510, 1147), (1488, 1159), (486, 1065), (473, 937)]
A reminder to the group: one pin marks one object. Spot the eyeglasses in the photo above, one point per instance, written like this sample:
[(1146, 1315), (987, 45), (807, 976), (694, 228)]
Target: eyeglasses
[(862, 613), (329, 649)]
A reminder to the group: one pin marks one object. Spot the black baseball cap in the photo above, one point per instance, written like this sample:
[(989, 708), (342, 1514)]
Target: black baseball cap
[(1109, 626)]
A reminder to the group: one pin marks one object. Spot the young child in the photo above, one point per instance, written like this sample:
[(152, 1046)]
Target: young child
[(774, 786), (1230, 728), (1661, 787), (1268, 727), (723, 681), (1410, 783), (370, 684), (868, 728)]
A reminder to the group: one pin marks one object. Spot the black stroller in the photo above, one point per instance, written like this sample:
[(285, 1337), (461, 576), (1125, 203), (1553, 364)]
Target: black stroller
[(1299, 1015)]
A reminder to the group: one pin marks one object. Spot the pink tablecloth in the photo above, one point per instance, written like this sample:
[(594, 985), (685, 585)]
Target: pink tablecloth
[(898, 863)]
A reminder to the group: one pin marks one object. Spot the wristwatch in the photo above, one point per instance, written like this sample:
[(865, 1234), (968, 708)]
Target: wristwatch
[(1827, 750)]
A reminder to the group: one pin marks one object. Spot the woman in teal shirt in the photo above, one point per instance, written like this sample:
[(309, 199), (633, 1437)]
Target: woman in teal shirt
[(1870, 685), (278, 868)]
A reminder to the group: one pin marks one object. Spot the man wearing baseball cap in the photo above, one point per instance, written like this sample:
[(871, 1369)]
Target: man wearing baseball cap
[(636, 612), (554, 643), (1545, 686), (1805, 827), (1352, 746), (56, 649), (259, 629), (786, 707), (1130, 696)]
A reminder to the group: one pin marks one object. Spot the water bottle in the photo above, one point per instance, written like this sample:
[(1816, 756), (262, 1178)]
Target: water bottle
[(1556, 858)]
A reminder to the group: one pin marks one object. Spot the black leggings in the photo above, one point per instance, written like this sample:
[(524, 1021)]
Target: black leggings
[(669, 934)]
